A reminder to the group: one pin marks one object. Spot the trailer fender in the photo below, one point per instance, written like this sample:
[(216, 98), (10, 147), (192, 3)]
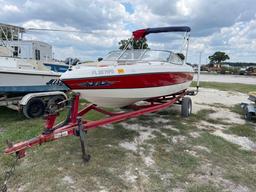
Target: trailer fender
[(24, 101)]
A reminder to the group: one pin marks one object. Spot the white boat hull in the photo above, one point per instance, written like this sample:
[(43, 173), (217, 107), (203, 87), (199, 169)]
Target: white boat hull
[(20, 82), (123, 97), (23, 79), (122, 85)]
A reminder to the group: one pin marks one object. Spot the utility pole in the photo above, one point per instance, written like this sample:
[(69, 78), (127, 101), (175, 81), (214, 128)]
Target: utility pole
[(198, 69)]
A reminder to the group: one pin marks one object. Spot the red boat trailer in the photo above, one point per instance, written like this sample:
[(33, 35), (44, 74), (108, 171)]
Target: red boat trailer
[(75, 125)]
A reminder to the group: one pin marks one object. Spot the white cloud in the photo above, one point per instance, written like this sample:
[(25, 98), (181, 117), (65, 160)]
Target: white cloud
[(10, 8), (216, 25), (183, 8), (238, 40), (72, 43)]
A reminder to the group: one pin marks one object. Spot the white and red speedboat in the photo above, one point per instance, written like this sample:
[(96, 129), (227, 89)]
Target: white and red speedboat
[(128, 76)]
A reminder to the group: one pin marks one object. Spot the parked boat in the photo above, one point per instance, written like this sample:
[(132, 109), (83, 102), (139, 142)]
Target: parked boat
[(12, 39), (125, 77), (19, 76), (20, 72)]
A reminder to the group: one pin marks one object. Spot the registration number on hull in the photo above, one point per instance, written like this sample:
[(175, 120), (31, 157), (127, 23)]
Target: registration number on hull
[(103, 72)]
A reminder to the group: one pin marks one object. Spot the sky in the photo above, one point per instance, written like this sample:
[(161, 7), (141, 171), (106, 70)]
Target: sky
[(217, 25)]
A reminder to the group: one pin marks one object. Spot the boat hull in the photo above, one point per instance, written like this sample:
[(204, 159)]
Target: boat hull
[(129, 81), (122, 85), (122, 90), (16, 82), (123, 97)]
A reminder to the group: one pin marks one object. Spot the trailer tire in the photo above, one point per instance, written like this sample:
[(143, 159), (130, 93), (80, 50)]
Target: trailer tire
[(52, 103), (247, 115), (34, 108), (186, 107)]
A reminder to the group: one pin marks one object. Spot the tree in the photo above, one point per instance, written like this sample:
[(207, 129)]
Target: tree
[(218, 57), (132, 43)]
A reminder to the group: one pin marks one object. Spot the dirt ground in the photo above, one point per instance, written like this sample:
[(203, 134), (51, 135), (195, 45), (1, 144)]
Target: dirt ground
[(213, 150)]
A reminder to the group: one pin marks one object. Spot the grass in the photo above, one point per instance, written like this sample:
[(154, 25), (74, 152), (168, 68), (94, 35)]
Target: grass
[(238, 165), (246, 130), (243, 88), (16, 127), (63, 157), (202, 188), (237, 109), (113, 167)]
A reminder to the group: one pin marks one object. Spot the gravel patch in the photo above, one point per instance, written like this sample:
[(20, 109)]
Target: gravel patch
[(145, 133), (227, 116), (68, 179), (191, 152), (132, 146), (179, 139), (161, 120), (206, 126), (209, 174), (130, 176), (202, 148), (208, 97), (171, 128), (194, 134), (244, 142)]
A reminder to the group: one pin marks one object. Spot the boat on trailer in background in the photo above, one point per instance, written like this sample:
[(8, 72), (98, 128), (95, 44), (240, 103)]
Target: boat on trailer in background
[(126, 77), (160, 78), (23, 73)]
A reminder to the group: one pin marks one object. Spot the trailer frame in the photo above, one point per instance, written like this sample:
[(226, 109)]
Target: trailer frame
[(75, 125)]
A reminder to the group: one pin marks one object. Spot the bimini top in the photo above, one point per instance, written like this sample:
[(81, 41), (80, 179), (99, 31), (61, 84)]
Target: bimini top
[(138, 34)]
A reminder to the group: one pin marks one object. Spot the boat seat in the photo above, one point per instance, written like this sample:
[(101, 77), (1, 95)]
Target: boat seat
[(252, 96), (253, 93)]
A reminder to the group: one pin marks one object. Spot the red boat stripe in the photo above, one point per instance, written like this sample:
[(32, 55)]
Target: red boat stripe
[(129, 81)]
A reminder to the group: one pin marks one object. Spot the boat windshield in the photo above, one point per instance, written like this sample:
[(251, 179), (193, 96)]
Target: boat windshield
[(113, 55), (156, 55), (143, 55), (134, 54)]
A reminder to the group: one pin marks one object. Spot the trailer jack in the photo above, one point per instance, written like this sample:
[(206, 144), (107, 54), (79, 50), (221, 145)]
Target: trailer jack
[(82, 137)]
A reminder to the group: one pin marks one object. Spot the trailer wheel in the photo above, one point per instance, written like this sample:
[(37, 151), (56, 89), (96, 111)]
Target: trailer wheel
[(186, 107), (52, 104), (247, 115), (34, 108)]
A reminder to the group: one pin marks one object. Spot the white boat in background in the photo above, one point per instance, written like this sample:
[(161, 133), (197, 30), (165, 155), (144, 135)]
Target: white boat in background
[(20, 76), (20, 72), (12, 38), (128, 76)]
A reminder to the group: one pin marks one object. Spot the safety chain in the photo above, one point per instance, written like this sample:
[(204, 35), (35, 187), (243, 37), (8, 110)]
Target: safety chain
[(7, 175)]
